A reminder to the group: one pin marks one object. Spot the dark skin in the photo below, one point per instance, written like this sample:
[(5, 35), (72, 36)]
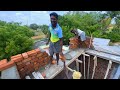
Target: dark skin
[(54, 22)]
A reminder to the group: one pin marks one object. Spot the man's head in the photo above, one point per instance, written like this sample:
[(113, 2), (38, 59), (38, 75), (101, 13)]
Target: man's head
[(54, 19), (73, 30)]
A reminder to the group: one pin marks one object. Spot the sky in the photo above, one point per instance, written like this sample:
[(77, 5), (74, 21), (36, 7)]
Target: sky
[(28, 17)]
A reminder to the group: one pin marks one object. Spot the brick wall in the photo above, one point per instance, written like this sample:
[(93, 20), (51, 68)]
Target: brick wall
[(26, 62), (100, 70), (76, 43)]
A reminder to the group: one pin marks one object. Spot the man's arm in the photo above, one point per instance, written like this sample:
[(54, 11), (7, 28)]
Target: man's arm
[(60, 35), (76, 33), (61, 41), (49, 35)]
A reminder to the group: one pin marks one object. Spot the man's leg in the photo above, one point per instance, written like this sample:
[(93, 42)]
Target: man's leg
[(61, 53), (51, 52), (57, 57), (51, 58)]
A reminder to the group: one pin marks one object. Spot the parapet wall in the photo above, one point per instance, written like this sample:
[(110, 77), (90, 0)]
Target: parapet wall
[(27, 62)]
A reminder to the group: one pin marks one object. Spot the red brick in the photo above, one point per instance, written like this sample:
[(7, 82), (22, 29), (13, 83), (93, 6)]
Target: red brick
[(25, 55), (32, 61), (35, 60), (37, 50), (27, 63), (45, 54), (36, 68), (18, 63), (31, 69), (27, 72), (19, 55), (17, 59), (21, 69), (22, 73), (26, 60), (31, 53), (4, 61), (40, 55), (25, 68), (40, 61), (43, 64), (20, 66), (33, 57), (7, 65), (35, 63)]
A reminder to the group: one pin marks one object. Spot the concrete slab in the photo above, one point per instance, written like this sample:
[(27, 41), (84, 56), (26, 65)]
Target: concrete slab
[(100, 41), (108, 49), (10, 73)]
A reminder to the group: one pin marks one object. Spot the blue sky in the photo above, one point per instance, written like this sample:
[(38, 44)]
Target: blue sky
[(28, 17)]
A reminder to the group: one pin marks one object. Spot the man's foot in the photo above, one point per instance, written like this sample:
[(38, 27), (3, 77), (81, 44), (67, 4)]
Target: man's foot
[(57, 63), (53, 62)]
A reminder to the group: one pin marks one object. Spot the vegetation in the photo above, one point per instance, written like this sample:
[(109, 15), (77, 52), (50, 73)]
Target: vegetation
[(14, 39), (94, 23)]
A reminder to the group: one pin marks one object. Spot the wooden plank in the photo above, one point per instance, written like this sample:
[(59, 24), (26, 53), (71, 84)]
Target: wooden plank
[(88, 68), (70, 69), (95, 64), (79, 61), (108, 68), (84, 65), (77, 66)]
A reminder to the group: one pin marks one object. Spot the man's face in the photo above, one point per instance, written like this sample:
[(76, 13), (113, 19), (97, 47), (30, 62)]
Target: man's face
[(53, 20)]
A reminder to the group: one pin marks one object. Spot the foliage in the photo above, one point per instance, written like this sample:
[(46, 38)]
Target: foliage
[(14, 39), (86, 22), (94, 23), (44, 29), (34, 26)]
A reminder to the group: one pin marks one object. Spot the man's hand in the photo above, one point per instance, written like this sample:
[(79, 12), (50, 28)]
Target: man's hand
[(61, 43)]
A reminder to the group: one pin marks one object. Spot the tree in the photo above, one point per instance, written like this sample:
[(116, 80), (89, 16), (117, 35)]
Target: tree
[(34, 26), (14, 39), (44, 29)]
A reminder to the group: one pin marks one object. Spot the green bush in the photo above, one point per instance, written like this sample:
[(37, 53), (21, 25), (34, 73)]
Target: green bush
[(14, 39), (114, 35)]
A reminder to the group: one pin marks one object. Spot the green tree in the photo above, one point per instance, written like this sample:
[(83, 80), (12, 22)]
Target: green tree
[(44, 29), (14, 39), (34, 26)]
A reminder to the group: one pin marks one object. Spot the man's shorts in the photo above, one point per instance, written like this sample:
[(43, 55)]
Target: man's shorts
[(54, 48)]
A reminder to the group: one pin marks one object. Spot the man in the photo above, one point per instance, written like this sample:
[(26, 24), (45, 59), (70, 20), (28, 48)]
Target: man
[(82, 37), (55, 37), (79, 33)]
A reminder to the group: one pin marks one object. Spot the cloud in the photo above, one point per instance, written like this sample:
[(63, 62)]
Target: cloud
[(39, 12), (18, 14), (39, 17)]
